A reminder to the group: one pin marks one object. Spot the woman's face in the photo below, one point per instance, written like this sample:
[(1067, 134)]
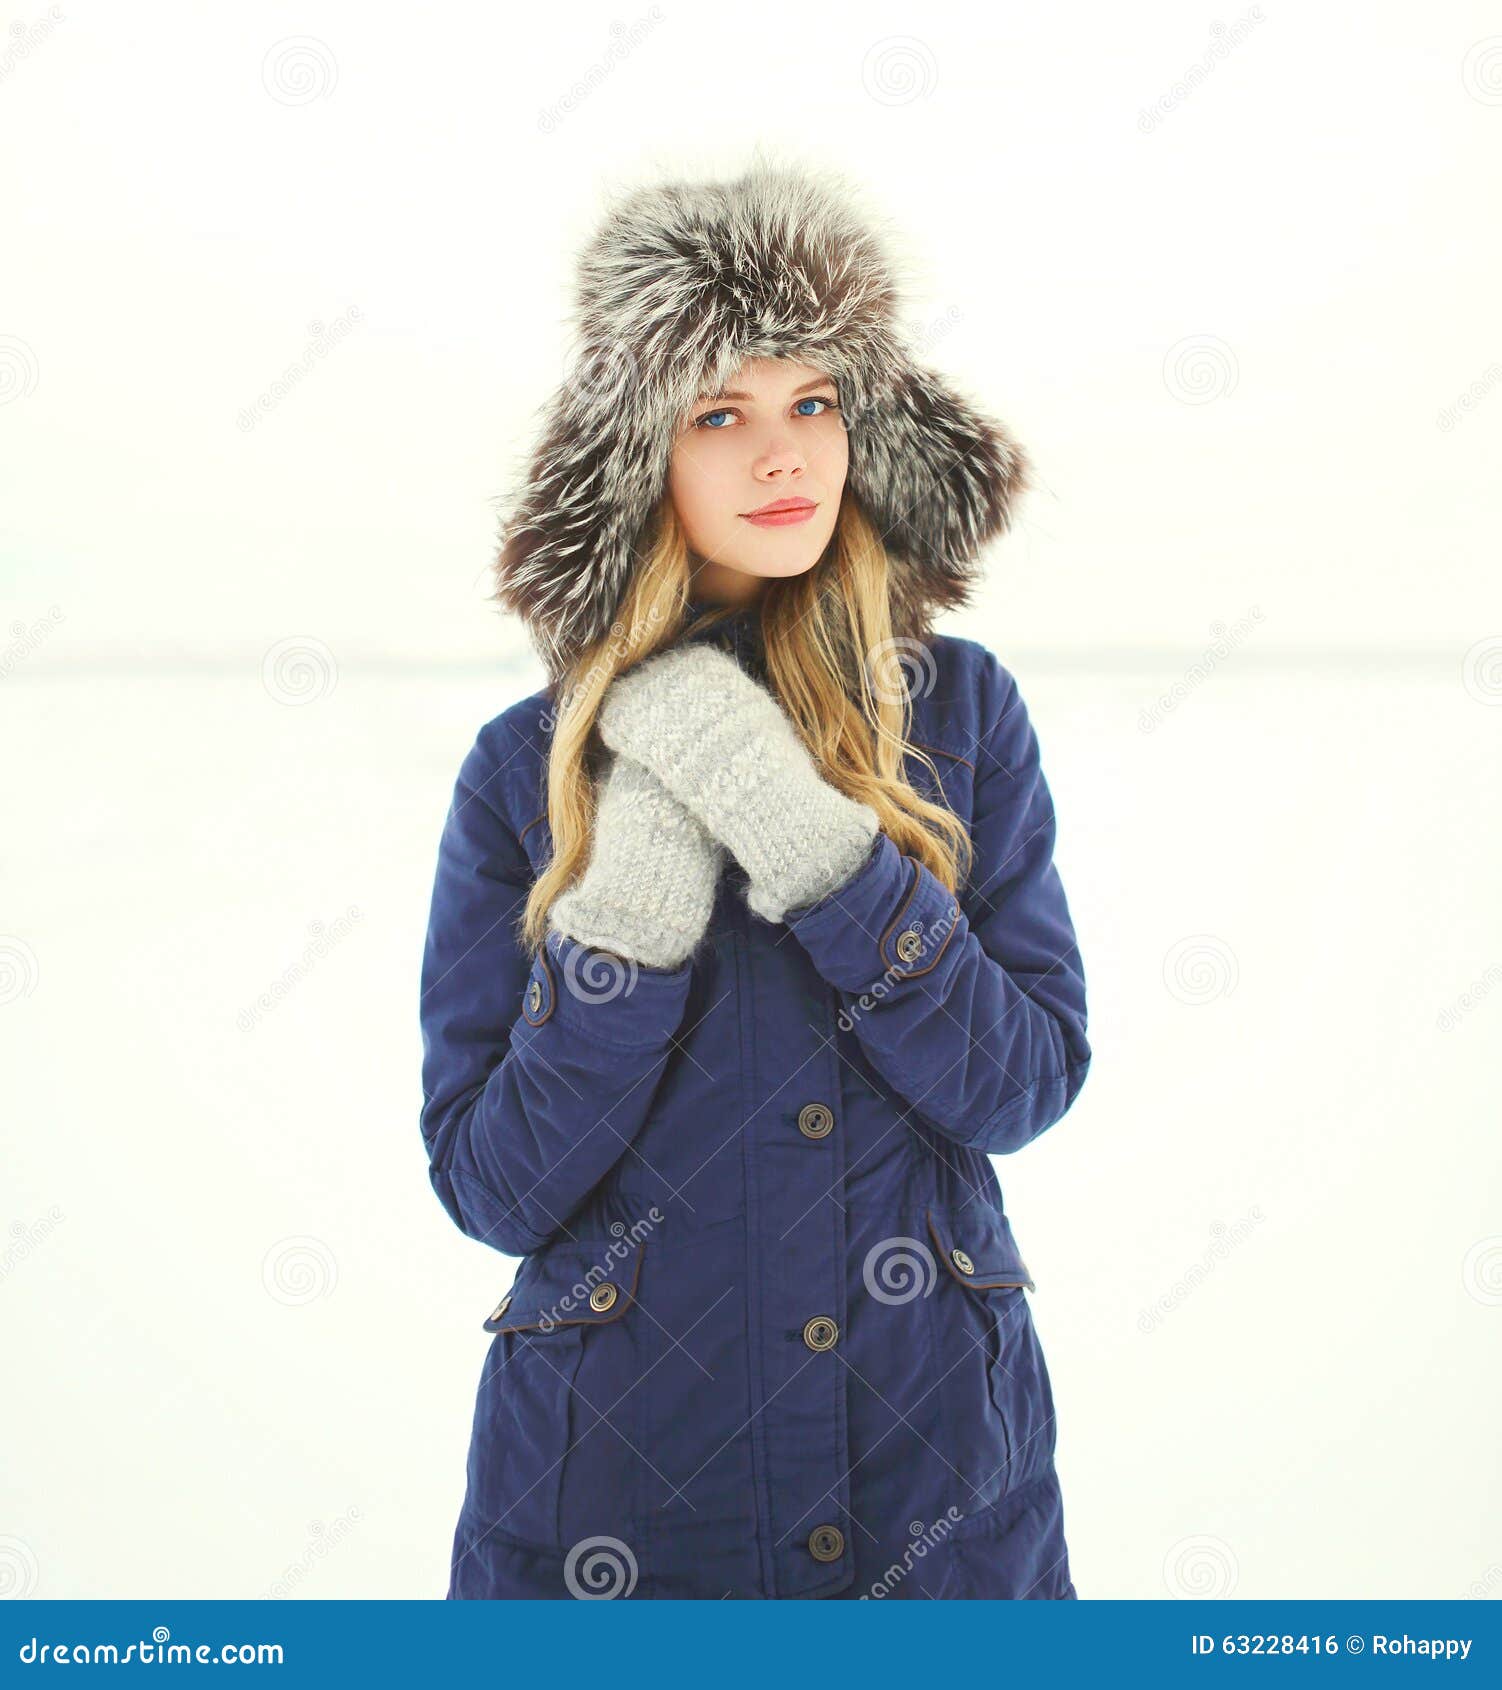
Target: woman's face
[(775, 437)]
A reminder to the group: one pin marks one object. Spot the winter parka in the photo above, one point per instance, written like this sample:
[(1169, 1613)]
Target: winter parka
[(770, 1335)]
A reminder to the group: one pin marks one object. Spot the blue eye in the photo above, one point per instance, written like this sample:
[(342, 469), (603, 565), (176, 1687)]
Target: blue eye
[(707, 420)]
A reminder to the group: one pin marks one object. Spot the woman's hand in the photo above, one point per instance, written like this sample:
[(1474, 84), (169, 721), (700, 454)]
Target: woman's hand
[(650, 885), (724, 748)]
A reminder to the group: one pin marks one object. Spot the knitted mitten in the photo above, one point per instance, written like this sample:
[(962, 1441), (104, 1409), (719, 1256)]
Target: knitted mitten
[(650, 885), (723, 746)]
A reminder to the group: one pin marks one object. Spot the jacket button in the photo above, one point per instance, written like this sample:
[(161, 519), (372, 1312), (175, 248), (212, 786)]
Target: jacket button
[(961, 1260), (826, 1543), (534, 997), (820, 1333), (602, 1296), (909, 944), (502, 1306), (815, 1120)]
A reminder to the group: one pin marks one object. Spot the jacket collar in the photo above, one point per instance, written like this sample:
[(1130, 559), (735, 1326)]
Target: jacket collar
[(738, 632)]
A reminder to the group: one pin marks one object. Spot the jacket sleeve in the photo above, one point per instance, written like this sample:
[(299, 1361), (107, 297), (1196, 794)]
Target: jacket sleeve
[(538, 1072), (973, 1010)]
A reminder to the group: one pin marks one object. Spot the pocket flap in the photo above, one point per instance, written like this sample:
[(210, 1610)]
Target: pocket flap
[(582, 1282), (976, 1245)]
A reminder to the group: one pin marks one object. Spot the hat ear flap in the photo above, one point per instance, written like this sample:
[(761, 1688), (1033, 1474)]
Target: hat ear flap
[(938, 479), (568, 545)]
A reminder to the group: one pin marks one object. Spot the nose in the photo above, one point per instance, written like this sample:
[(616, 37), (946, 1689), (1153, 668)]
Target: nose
[(779, 458)]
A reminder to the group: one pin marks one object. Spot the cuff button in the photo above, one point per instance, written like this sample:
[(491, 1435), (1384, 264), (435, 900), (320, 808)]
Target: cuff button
[(534, 997), (909, 944)]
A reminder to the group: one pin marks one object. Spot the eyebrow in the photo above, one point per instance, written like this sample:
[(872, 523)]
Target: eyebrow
[(808, 386)]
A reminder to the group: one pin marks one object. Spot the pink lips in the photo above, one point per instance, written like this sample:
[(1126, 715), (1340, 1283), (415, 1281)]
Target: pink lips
[(781, 513)]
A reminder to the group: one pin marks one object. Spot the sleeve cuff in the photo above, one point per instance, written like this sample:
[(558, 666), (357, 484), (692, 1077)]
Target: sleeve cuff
[(602, 997), (892, 919)]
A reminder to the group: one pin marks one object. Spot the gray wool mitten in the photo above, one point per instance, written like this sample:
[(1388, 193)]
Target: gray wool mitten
[(650, 885), (724, 747)]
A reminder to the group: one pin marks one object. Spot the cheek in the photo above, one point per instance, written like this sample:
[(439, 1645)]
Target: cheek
[(830, 458), (699, 480)]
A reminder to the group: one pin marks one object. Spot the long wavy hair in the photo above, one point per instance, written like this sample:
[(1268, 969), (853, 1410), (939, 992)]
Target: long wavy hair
[(832, 663)]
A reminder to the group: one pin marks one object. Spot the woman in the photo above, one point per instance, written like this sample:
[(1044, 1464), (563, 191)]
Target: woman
[(746, 952)]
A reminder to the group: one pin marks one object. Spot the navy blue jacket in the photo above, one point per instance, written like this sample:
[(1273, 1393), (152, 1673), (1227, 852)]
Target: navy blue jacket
[(770, 1335)]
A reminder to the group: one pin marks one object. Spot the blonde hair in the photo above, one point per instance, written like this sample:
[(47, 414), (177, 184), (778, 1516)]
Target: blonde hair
[(832, 663)]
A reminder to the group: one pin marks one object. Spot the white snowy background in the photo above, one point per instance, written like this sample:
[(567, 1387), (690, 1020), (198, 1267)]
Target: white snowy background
[(283, 288)]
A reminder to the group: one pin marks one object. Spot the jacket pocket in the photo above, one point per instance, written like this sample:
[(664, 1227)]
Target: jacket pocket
[(974, 1244), (551, 1379)]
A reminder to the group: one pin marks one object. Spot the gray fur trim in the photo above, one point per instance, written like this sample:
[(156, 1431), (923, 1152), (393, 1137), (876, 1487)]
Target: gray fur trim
[(682, 283)]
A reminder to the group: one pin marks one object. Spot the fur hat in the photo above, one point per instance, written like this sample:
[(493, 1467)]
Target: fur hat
[(682, 283)]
